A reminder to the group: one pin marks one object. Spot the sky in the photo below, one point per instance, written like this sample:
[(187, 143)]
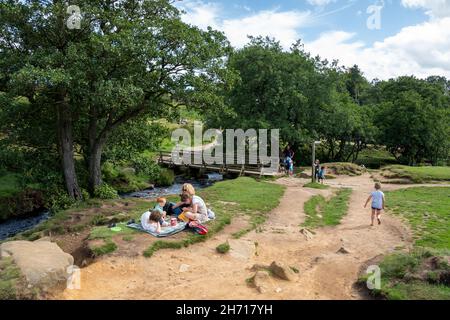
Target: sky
[(385, 38)]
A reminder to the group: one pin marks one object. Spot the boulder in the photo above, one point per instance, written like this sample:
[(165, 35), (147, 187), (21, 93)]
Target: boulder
[(260, 281), (282, 271), (42, 262)]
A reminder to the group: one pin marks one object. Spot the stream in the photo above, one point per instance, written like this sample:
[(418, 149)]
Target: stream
[(14, 226)]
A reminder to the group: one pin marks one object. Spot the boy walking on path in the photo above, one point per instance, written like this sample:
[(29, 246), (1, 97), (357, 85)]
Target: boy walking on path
[(378, 201)]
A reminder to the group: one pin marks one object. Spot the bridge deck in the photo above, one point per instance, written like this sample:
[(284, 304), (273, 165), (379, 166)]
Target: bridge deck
[(242, 169)]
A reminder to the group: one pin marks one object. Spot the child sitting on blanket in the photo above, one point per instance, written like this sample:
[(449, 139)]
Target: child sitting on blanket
[(151, 221), (170, 208)]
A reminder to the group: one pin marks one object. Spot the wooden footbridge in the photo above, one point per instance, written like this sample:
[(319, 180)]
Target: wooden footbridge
[(255, 169)]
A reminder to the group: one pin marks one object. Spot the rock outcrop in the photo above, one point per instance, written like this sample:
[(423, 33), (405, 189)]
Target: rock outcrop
[(43, 263)]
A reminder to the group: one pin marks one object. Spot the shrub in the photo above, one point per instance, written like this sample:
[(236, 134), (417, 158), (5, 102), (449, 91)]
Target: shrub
[(223, 248), (59, 200), (147, 166), (105, 191), (166, 177)]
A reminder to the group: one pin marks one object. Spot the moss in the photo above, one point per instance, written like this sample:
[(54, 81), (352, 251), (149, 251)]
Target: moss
[(13, 285)]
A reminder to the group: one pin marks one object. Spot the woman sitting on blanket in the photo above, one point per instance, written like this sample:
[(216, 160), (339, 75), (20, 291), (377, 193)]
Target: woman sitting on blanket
[(153, 221), (174, 209), (197, 210)]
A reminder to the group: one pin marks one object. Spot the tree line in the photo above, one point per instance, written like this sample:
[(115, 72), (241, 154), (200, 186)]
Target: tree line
[(70, 99)]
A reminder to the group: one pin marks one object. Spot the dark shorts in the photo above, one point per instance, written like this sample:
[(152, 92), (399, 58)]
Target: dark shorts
[(376, 209)]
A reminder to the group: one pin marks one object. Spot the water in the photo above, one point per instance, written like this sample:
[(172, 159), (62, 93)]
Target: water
[(175, 189), (14, 226)]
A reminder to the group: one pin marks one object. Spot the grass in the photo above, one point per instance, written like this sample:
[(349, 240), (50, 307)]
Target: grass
[(249, 198), (418, 174), (107, 247), (223, 248), (424, 272), (427, 211), (12, 283), (315, 185), (414, 276), (344, 168), (320, 212), (104, 232)]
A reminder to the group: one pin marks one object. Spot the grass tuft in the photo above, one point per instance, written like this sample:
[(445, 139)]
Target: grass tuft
[(320, 212), (223, 248)]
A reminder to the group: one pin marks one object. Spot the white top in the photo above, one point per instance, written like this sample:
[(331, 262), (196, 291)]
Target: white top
[(147, 224), (377, 199), (201, 206)]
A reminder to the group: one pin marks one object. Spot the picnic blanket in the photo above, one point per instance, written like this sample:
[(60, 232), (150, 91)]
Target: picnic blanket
[(165, 232)]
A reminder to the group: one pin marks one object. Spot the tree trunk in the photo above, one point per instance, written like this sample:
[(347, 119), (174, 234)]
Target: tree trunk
[(95, 152), (65, 136), (95, 165)]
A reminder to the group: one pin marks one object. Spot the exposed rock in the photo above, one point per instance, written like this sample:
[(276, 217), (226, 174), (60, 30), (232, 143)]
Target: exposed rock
[(308, 234), (259, 267), (282, 271), (343, 250), (318, 259), (260, 280), (42, 263)]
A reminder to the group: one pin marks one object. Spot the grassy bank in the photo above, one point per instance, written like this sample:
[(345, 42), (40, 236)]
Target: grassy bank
[(423, 273), (417, 174), (321, 213)]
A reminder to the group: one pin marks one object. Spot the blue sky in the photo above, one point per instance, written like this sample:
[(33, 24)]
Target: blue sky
[(412, 36)]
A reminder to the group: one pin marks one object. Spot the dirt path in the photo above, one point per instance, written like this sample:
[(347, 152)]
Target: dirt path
[(198, 272)]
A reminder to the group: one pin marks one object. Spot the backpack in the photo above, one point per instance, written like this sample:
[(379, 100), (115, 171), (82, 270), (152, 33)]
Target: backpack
[(198, 228)]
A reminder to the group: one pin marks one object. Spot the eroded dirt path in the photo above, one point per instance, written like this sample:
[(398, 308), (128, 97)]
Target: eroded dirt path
[(198, 272)]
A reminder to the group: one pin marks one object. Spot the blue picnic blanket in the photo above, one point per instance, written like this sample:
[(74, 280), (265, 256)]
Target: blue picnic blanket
[(165, 232)]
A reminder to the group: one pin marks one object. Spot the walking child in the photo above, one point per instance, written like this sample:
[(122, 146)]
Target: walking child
[(322, 173), (378, 201)]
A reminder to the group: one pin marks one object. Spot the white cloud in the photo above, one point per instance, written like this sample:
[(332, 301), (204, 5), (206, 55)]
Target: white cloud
[(420, 50), (282, 25), (201, 14), (435, 8), (320, 2)]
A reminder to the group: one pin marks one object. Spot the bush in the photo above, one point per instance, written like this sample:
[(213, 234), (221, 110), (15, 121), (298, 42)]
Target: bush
[(147, 166), (85, 194), (223, 248), (58, 199), (166, 178), (105, 191)]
